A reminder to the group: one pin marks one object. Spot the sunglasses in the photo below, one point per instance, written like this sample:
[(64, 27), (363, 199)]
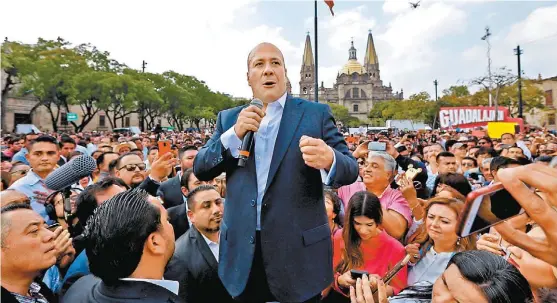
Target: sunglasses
[(132, 167), (482, 142)]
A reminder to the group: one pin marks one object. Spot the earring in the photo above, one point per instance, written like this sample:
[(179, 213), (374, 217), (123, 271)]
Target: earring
[(458, 241)]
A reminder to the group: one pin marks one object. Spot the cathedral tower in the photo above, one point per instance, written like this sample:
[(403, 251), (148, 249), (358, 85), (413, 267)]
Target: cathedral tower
[(307, 72), (371, 62)]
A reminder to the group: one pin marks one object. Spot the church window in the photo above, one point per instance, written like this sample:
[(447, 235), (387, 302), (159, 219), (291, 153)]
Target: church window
[(354, 76), (347, 95), (363, 94), (355, 107), (356, 92), (305, 90)]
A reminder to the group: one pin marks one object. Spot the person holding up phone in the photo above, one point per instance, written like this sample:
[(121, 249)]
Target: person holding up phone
[(364, 245), (541, 210)]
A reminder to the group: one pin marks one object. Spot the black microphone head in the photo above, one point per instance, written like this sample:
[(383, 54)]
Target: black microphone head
[(71, 172), (257, 102)]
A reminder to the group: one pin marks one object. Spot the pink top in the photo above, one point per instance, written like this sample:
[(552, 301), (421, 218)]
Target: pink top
[(393, 199), (346, 192), (380, 254)]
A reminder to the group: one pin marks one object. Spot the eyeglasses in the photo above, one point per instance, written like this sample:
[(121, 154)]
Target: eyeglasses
[(132, 167)]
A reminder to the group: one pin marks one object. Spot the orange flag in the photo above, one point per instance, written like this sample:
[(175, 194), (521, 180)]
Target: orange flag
[(330, 4)]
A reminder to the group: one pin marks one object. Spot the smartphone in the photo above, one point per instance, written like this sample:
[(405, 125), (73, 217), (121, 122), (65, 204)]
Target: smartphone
[(486, 207), (377, 146), (358, 273), (53, 227), (164, 147), (475, 176)]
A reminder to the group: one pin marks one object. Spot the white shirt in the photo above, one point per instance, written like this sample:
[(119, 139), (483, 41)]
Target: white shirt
[(213, 246), (170, 285)]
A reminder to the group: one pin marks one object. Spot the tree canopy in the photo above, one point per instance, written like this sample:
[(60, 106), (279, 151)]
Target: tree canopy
[(62, 76)]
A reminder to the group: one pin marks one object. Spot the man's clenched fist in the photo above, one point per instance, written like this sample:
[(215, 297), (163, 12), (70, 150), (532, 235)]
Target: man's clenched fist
[(316, 153)]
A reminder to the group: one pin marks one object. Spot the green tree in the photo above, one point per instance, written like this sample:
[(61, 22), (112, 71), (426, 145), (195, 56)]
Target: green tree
[(457, 91), (340, 113), (50, 75)]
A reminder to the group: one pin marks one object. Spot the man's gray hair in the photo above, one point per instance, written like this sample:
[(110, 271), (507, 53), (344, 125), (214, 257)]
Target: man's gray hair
[(486, 161), (390, 163)]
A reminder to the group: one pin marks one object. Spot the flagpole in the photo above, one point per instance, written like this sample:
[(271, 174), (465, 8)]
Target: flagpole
[(316, 88)]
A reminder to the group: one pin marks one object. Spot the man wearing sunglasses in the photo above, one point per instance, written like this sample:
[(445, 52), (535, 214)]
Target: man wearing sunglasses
[(131, 169)]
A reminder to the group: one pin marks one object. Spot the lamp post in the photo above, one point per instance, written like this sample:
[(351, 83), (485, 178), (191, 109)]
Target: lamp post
[(435, 83)]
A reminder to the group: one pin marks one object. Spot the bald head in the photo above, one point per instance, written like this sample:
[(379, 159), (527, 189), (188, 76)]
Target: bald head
[(260, 46), (11, 196)]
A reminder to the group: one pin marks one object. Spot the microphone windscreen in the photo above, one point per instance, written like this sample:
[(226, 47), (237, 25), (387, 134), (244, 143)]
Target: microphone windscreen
[(71, 172), (257, 102)]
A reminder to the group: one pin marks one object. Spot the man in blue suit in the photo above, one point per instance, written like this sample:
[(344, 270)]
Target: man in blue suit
[(275, 243)]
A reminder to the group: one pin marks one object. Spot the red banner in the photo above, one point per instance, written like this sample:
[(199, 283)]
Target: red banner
[(470, 116)]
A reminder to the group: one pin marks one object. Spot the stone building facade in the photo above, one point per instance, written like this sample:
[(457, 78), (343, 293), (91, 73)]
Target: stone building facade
[(18, 111), (357, 87), (546, 118)]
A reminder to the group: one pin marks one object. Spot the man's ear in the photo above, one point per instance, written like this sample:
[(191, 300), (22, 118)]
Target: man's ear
[(190, 216), (184, 190), (155, 244), (247, 78)]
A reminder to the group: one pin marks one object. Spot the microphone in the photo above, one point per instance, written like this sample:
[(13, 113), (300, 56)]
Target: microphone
[(248, 139), (68, 174)]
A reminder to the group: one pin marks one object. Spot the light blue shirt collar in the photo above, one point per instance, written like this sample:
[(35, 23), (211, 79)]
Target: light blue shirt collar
[(281, 101)]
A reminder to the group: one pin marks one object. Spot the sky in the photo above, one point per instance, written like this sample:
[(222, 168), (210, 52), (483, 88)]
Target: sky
[(210, 39)]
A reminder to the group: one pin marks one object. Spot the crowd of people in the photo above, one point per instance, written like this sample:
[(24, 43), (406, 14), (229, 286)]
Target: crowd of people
[(186, 225)]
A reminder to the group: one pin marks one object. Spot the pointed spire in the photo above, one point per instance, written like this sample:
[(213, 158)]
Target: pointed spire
[(352, 51), (308, 54), (371, 54)]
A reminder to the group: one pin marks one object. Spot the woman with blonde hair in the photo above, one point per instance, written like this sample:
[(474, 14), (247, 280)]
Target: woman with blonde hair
[(436, 241)]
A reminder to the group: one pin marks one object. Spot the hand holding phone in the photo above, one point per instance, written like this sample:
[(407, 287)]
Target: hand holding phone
[(164, 147), (486, 207), (377, 146), (355, 274)]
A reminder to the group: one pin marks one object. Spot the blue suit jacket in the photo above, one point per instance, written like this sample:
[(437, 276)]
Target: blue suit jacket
[(295, 235)]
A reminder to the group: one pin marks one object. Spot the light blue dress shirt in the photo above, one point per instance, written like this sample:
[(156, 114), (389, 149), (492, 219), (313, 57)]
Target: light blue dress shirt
[(20, 156), (265, 139), (27, 185)]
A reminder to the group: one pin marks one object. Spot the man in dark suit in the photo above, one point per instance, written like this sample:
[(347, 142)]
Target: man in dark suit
[(129, 261), (195, 261), (275, 243), (169, 191), (67, 146), (179, 214)]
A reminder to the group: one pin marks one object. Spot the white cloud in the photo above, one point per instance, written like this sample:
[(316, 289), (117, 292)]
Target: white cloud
[(346, 25), (537, 36), (407, 49), (540, 24), (206, 39), (395, 6)]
